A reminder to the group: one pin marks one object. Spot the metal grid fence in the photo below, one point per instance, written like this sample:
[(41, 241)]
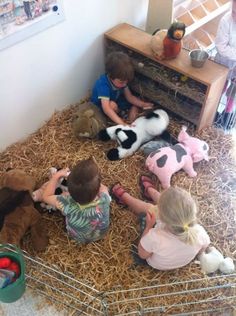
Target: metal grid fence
[(215, 295)]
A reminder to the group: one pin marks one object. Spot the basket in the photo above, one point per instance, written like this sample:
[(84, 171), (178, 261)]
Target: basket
[(198, 57), (15, 290)]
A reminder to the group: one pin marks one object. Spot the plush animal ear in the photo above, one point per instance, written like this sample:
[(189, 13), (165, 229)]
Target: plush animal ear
[(18, 180), (183, 135), (89, 113), (94, 126)]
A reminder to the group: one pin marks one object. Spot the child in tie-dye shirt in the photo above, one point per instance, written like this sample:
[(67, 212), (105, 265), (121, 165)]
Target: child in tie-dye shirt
[(87, 206)]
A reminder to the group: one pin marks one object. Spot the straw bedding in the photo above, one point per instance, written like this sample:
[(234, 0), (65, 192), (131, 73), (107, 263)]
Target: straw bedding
[(108, 263)]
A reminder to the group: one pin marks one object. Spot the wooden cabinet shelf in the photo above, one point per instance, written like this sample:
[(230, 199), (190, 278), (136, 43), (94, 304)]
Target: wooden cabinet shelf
[(190, 93), (170, 100), (157, 72)]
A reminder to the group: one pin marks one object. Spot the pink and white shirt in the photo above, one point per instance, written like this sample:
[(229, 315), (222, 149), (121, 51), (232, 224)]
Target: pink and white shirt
[(168, 252)]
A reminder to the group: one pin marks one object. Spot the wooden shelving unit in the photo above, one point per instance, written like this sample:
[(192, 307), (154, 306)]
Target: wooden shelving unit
[(151, 90), (200, 16), (190, 93)]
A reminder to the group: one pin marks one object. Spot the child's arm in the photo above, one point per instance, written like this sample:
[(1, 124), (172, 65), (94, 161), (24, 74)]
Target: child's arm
[(48, 195), (103, 189), (108, 110), (137, 101), (150, 222)]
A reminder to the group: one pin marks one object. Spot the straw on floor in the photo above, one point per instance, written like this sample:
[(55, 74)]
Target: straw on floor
[(108, 264)]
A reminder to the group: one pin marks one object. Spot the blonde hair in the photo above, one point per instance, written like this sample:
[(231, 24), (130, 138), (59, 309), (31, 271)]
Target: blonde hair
[(178, 210)]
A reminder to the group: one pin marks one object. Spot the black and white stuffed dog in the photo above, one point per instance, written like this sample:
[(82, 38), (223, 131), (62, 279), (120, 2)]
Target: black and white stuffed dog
[(130, 138), (60, 189)]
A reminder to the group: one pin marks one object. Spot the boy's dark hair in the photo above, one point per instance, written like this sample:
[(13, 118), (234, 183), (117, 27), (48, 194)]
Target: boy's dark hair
[(84, 181), (119, 66)]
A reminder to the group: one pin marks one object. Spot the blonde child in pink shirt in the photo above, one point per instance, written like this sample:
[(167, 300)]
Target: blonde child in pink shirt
[(172, 238)]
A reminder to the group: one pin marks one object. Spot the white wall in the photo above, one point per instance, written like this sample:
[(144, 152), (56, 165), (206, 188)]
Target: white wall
[(57, 67)]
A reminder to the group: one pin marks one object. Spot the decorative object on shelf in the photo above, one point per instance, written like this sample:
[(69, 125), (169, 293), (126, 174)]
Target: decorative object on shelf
[(89, 121), (212, 260), (165, 161), (198, 57), (18, 212), (168, 45), (130, 138)]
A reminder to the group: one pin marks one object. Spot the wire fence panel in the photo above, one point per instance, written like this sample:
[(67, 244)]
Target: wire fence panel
[(211, 295), (215, 295)]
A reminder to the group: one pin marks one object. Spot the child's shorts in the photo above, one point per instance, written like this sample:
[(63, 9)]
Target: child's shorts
[(123, 105)]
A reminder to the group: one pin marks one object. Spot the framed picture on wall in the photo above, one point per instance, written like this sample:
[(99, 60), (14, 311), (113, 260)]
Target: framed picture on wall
[(20, 19)]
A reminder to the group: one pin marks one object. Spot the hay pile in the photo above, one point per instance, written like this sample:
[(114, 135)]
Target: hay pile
[(108, 263)]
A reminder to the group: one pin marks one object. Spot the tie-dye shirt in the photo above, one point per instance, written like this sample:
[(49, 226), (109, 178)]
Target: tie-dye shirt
[(86, 223)]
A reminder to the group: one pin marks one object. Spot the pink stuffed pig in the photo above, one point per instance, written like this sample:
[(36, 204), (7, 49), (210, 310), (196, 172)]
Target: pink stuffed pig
[(165, 161)]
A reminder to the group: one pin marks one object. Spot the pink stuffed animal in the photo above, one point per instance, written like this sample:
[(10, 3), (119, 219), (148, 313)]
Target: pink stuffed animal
[(165, 161)]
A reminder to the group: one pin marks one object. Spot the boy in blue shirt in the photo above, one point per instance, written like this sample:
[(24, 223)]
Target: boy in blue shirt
[(111, 93)]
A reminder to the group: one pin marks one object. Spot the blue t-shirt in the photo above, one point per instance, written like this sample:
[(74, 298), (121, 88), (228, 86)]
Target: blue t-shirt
[(104, 89)]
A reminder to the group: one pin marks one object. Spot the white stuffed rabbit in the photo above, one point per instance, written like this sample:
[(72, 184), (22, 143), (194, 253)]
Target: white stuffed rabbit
[(211, 260)]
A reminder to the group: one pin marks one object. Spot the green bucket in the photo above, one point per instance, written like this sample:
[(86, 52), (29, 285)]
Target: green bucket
[(15, 290)]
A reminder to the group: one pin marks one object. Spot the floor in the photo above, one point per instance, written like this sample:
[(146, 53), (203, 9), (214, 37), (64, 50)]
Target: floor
[(30, 304)]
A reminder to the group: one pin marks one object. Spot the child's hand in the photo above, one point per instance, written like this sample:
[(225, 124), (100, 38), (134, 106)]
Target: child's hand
[(63, 173), (103, 188), (150, 219), (147, 105)]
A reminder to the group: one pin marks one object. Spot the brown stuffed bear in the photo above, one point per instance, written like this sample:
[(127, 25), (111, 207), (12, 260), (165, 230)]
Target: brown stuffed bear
[(89, 121), (17, 212)]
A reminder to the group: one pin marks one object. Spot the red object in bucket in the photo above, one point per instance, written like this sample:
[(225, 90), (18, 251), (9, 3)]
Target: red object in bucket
[(5, 262), (15, 268)]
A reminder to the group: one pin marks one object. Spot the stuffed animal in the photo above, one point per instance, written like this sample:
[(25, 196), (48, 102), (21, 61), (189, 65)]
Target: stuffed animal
[(89, 121), (211, 260), (130, 138), (60, 189), (166, 44), (17, 210), (165, 161), (166, 140)]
